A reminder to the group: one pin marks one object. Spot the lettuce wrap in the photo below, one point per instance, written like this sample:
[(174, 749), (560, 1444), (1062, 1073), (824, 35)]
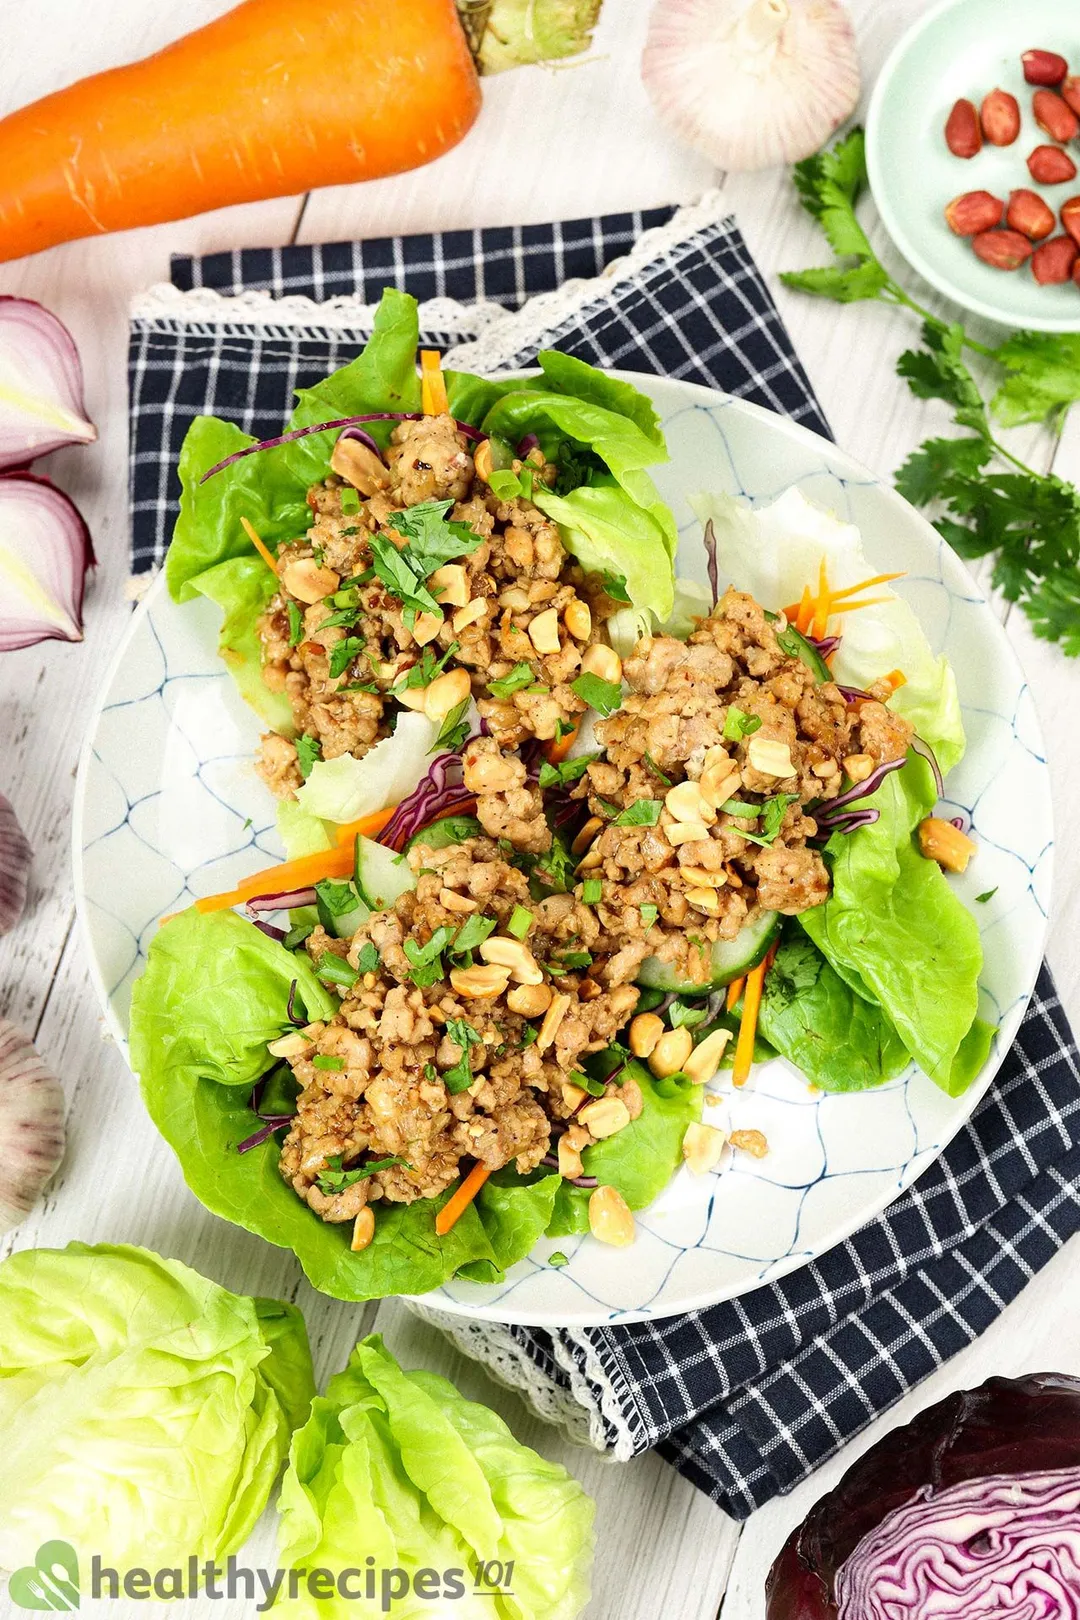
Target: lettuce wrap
[(214, 993)]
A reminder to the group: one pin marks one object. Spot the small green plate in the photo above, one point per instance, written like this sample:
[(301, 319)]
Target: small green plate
[(967, 48)]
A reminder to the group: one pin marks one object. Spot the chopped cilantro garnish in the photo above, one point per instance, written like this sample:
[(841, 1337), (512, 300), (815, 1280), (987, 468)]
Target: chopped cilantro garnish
[(684, 1017), (462, 1033), (425, 670), (989, 894), (338, 898), (324, 1061), (649, 914), (342, 655), (519, 677), (615, 587), (296, 624), (521, 920), (308, 750), (460, 1077), (368, 960), (657, 772), (473, 932), (454, 729), (569, 960), (592, 891), (738, 725), (373, 1166), (603, 696), (568, 771), (334, 1179), (642, 813), (529, 1034), (595, 1088), (343, 619), (336, 969), (558, 1259), (297, 935), (773, 814), (426, 959), (564, 728), (432, 542), (350, 501)]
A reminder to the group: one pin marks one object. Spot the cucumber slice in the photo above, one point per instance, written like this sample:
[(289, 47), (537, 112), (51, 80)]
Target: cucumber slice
[(450, 830), (731, 958), (795, 644), (342, 924), (380, 874)]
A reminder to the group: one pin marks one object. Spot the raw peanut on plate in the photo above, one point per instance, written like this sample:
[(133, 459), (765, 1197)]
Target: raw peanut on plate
[(1044, 67), (1070, 92), (1052, 262), (975, 211), (1003, 250), (1070, 218), (963, 136), (1029, 214), (1050, 166), (1053, 117), (999, 116)]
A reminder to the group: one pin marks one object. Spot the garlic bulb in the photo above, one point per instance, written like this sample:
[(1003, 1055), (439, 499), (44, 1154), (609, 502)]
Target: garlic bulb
[(31, 1126), (15, 858), (752, 84)]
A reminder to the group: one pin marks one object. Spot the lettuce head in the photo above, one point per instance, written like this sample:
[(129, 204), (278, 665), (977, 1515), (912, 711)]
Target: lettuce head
[(146, 1412)]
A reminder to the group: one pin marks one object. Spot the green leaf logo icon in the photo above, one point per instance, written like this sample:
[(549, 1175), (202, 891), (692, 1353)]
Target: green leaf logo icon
[(51, 1582)]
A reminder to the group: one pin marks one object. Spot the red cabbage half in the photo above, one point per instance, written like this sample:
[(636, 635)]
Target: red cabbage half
[(973, 1509)]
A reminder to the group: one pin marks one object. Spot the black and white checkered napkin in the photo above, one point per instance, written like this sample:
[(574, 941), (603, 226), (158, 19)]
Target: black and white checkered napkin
[(748, 1397)]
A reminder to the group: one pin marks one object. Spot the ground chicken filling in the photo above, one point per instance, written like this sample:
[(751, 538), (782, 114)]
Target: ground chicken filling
[(475, 1005), (517, 614), (724, 722)]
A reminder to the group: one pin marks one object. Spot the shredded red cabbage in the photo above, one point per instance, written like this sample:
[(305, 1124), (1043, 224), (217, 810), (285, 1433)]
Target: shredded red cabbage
[(713, 564), (552, 1163), (853, 694), (958, 822), (283, 900), (471, 433), (529, 442), (824, 646), (440, 793), (859, 790), (362, 437), (930, 757), (269, 930), (290, 1010), (274, 1123)]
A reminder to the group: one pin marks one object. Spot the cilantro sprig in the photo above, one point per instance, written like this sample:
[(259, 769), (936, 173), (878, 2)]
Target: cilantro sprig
[(986, 501), (431, 541)]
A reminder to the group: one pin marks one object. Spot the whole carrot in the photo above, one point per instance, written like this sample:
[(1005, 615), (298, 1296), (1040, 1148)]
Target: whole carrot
[(275, 97)]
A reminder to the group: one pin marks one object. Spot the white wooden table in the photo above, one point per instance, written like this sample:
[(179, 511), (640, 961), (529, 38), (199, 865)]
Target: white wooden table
[(549, 145)]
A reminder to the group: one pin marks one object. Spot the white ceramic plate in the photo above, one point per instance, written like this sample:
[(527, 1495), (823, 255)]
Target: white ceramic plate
[(968, 48), (168, 808)]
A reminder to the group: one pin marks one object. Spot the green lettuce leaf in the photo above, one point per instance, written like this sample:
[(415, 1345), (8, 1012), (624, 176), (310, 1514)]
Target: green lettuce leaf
[(146, 1411), (838, 1040), (400, 1464), (215, 991), (619, 442), (242, 588), (894, 926), (609, 534), (566, 375), (640, 1159)]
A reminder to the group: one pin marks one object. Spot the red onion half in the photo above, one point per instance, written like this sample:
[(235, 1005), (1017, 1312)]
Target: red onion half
[(973, 1509), (41, 384), (45, 550)]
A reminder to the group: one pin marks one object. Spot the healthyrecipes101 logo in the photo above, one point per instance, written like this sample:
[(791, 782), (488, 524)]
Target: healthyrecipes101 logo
[(52, 1582)]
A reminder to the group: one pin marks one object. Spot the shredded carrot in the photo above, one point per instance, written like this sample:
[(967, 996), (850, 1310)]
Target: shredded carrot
[(267, 556), (432, 384), (744, 1047), (458, 1203), (367, 827), (810, 614), (556, 750), (734, 991), (896, 678)]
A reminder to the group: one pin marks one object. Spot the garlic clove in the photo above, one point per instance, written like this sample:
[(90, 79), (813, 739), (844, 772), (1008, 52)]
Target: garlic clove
[(15, 858), (752, 85), (31, 1126)]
